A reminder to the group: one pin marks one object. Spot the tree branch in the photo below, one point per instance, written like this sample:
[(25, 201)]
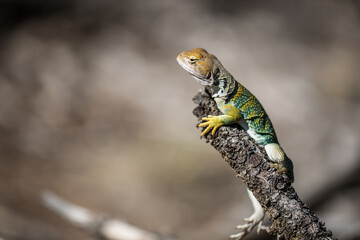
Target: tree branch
[(290, 217)]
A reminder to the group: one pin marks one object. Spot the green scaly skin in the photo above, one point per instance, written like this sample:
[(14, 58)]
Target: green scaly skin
[(250, 109)]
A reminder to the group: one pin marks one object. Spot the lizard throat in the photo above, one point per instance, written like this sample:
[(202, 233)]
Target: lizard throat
[(225, 89), (202, 81)]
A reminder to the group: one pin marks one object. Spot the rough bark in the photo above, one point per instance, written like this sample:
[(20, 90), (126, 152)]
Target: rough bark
[(290, 217)]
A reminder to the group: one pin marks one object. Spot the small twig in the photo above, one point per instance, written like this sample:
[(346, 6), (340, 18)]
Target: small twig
[(97, 224), (290, 217)]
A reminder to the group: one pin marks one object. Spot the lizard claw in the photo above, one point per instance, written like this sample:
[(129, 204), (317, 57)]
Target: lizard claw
[(248, 220), (246, 228), (280, 168), (261, 227)]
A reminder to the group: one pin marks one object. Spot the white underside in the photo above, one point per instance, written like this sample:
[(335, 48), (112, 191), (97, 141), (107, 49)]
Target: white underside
[(255, 136), (250, 131)]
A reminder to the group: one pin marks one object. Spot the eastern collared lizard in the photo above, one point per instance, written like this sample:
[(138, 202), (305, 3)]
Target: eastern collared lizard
[(238, 105)]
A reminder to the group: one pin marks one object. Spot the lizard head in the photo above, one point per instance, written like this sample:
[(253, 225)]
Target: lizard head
[(200, 64)]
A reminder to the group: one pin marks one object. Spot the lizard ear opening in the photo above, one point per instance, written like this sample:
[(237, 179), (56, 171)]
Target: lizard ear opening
[(208, 75), (216, 73)]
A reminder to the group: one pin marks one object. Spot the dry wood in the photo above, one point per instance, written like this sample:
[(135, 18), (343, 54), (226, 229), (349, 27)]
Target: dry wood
[(291, 218)]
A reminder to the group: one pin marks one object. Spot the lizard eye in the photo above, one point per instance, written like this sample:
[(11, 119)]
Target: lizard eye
[(192, 60)]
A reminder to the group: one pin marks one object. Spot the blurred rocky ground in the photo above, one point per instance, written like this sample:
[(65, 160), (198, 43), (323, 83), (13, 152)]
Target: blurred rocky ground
[(94, 107)]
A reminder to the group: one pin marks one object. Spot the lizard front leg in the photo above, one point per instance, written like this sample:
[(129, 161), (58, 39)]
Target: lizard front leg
[(214, 122)]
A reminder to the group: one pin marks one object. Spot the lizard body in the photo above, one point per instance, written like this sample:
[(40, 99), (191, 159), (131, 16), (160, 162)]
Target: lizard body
[(238, 105)]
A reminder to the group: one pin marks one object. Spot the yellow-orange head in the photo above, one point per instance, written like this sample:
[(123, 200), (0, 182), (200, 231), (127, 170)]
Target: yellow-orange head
[(199, 63)]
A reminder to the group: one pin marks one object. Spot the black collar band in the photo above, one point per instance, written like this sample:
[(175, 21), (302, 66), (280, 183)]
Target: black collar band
[(236, 88)]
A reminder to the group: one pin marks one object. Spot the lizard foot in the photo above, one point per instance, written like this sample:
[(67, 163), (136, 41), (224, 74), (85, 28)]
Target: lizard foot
[(280, 168), (284, 167), (250, 223), (211, 122)]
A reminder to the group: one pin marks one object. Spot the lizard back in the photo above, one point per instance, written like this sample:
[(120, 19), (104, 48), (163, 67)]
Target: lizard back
[(254, 114)]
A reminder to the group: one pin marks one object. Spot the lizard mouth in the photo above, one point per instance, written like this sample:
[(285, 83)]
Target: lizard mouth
[(207, 80), (202, 81)]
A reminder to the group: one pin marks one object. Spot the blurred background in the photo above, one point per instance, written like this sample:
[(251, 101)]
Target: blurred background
[(94, 107)]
